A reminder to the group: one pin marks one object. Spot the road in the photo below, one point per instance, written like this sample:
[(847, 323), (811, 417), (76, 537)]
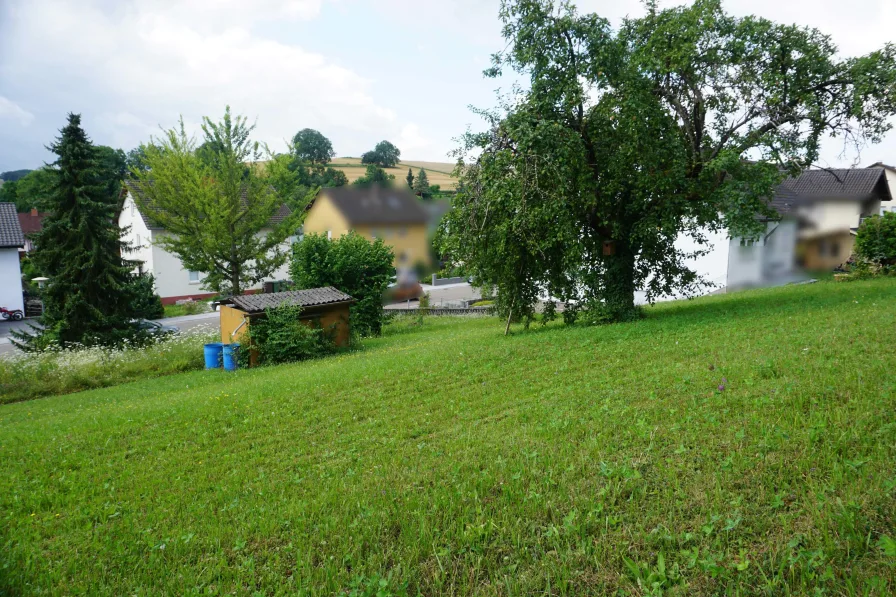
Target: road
[(185, 323)]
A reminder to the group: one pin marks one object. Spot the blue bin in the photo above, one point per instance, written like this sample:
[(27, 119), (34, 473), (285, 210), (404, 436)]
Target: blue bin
[(231, 356), (213, 355)]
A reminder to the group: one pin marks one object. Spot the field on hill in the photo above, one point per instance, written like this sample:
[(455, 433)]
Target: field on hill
[(437, 172), (735, 444)]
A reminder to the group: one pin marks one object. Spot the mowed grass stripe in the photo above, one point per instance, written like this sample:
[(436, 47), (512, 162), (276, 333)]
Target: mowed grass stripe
[(448, 459)]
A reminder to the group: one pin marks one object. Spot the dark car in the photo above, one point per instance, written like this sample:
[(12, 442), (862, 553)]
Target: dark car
[(154, 328)]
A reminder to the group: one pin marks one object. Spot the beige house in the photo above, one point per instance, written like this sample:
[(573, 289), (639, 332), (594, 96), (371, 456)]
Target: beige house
[(394, 215), (829, 206)]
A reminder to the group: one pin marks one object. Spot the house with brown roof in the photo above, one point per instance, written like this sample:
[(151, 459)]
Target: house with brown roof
[(394, 215), (818, 214), (11, 240), (31, 223), (173, 282)]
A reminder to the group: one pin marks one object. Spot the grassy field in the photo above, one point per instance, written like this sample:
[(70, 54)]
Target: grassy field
[(741, 444), (437, 172)]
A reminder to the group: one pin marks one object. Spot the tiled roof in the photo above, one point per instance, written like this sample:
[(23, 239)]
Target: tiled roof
[(311, 297), (31, 222), (10, 229), (134, 187), (377, 205), (857, 184)]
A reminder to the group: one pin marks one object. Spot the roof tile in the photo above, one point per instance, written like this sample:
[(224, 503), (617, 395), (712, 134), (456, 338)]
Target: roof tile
[(311, 297), (10, 230)]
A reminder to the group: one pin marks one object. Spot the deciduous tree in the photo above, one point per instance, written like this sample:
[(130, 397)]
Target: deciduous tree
[(677, 123), (217, 211), (311, 147)]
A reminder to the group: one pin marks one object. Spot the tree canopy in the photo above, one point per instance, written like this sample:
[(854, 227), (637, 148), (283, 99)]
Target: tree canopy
[(219, 213), (384, 155), (91, 293), (677, 123), (13, 175), (31, 191), (311, 147), (375, 176), (421, 185)]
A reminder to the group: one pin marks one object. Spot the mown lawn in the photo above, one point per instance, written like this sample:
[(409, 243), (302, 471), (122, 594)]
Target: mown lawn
[(449, 459)]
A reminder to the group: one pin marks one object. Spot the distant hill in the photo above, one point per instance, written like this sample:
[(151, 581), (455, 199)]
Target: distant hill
[(13, 175), (437, 172)]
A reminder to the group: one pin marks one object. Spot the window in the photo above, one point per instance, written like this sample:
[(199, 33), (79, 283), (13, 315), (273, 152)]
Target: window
[(138, 241), (329, 235), (194, 277), (133, 209)]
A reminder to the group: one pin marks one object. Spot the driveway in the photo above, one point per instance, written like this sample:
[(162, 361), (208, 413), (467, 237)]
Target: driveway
[(449, 295), (184, 322)]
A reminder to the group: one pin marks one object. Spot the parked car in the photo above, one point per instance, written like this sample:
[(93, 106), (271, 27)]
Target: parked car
[(154, 328)]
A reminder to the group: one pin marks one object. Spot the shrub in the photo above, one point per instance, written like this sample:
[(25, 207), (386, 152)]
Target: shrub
[(352, 264), (146, 304), (281, 336), (876, 242)]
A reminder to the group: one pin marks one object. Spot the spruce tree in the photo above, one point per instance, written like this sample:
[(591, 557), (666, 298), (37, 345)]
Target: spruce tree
[(421, 185), (90, 295), (410, 178)]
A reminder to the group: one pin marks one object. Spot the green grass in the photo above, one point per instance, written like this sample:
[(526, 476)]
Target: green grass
[(449, 459), (186, 309)]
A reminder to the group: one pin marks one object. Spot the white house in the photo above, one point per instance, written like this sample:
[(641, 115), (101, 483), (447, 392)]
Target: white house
[(890, 172), (11, 240), (173, 282)]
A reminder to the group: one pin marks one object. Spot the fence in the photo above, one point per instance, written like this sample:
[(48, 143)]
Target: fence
[(436, 281), (444, 311)]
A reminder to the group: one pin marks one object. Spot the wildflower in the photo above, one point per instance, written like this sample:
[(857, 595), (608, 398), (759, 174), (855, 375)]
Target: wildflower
[(721, 387)]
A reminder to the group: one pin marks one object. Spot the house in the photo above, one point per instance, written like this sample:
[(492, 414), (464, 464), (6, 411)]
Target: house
[(819, 213), (11, 240), (890, 173), (325, 307), (172, 281), (394, 215), (31, 223)]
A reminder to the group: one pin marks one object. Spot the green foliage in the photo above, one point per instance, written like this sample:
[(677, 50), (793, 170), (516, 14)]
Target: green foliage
[(186, 308), (410, 178), (351, 263), (384, 155), (89, 299), (876, 242), (30, 191), (282, 336), (113, 168), (146, 303), (375, 176), (14, 175), (421, 185), (215, 207), (454, 461), (311, 147), (628, 138), (136, 161)]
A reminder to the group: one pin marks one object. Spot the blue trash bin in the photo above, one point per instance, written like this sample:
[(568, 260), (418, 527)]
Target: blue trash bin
[(231, 354), (213, 355)]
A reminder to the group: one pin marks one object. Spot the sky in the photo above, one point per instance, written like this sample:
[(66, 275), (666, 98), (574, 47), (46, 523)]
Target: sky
[(360, 71)]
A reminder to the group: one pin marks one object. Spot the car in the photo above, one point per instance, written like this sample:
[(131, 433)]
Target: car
[(154, 328)]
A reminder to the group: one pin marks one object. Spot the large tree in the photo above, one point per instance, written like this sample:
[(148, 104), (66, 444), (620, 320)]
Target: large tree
[(384, 155), (311, 147), (677, 123), (421, 185), (219, 213), (89, 297), (31, 191)]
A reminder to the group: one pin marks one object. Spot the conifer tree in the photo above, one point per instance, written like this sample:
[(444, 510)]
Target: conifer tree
[(88, 299), (421, 185), (410, 178)]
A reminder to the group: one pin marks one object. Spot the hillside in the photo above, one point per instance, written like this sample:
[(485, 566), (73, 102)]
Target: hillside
[(438, 172), (734, 444)]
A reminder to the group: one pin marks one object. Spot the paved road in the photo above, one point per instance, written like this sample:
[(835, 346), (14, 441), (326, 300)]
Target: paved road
[(442, 296), (185, 323)]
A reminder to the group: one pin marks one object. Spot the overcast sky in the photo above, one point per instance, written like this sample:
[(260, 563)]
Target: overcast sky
[(357, 70)]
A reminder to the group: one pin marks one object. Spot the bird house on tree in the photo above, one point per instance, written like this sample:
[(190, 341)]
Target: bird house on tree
[(609, 247)]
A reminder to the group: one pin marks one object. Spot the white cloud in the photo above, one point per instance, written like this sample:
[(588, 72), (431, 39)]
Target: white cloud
[(412, 142), (147, 62), (9, 110)]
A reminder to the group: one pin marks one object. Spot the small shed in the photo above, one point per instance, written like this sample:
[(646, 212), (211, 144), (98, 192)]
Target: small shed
[(326, 307)]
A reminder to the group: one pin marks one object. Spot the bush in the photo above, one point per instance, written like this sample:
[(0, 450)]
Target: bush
[(188, 308), (147, 304), (281, 336), (876, 242), (352, 264)]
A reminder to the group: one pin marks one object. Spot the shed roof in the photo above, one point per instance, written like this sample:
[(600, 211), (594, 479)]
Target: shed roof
[(10, 229), (135, 187), (310, 297), (377, 205)]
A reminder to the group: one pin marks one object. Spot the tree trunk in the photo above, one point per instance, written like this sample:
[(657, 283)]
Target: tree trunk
[(235, 280), (619, 283)]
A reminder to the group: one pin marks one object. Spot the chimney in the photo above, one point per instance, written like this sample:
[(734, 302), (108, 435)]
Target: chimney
[(34, 211)]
